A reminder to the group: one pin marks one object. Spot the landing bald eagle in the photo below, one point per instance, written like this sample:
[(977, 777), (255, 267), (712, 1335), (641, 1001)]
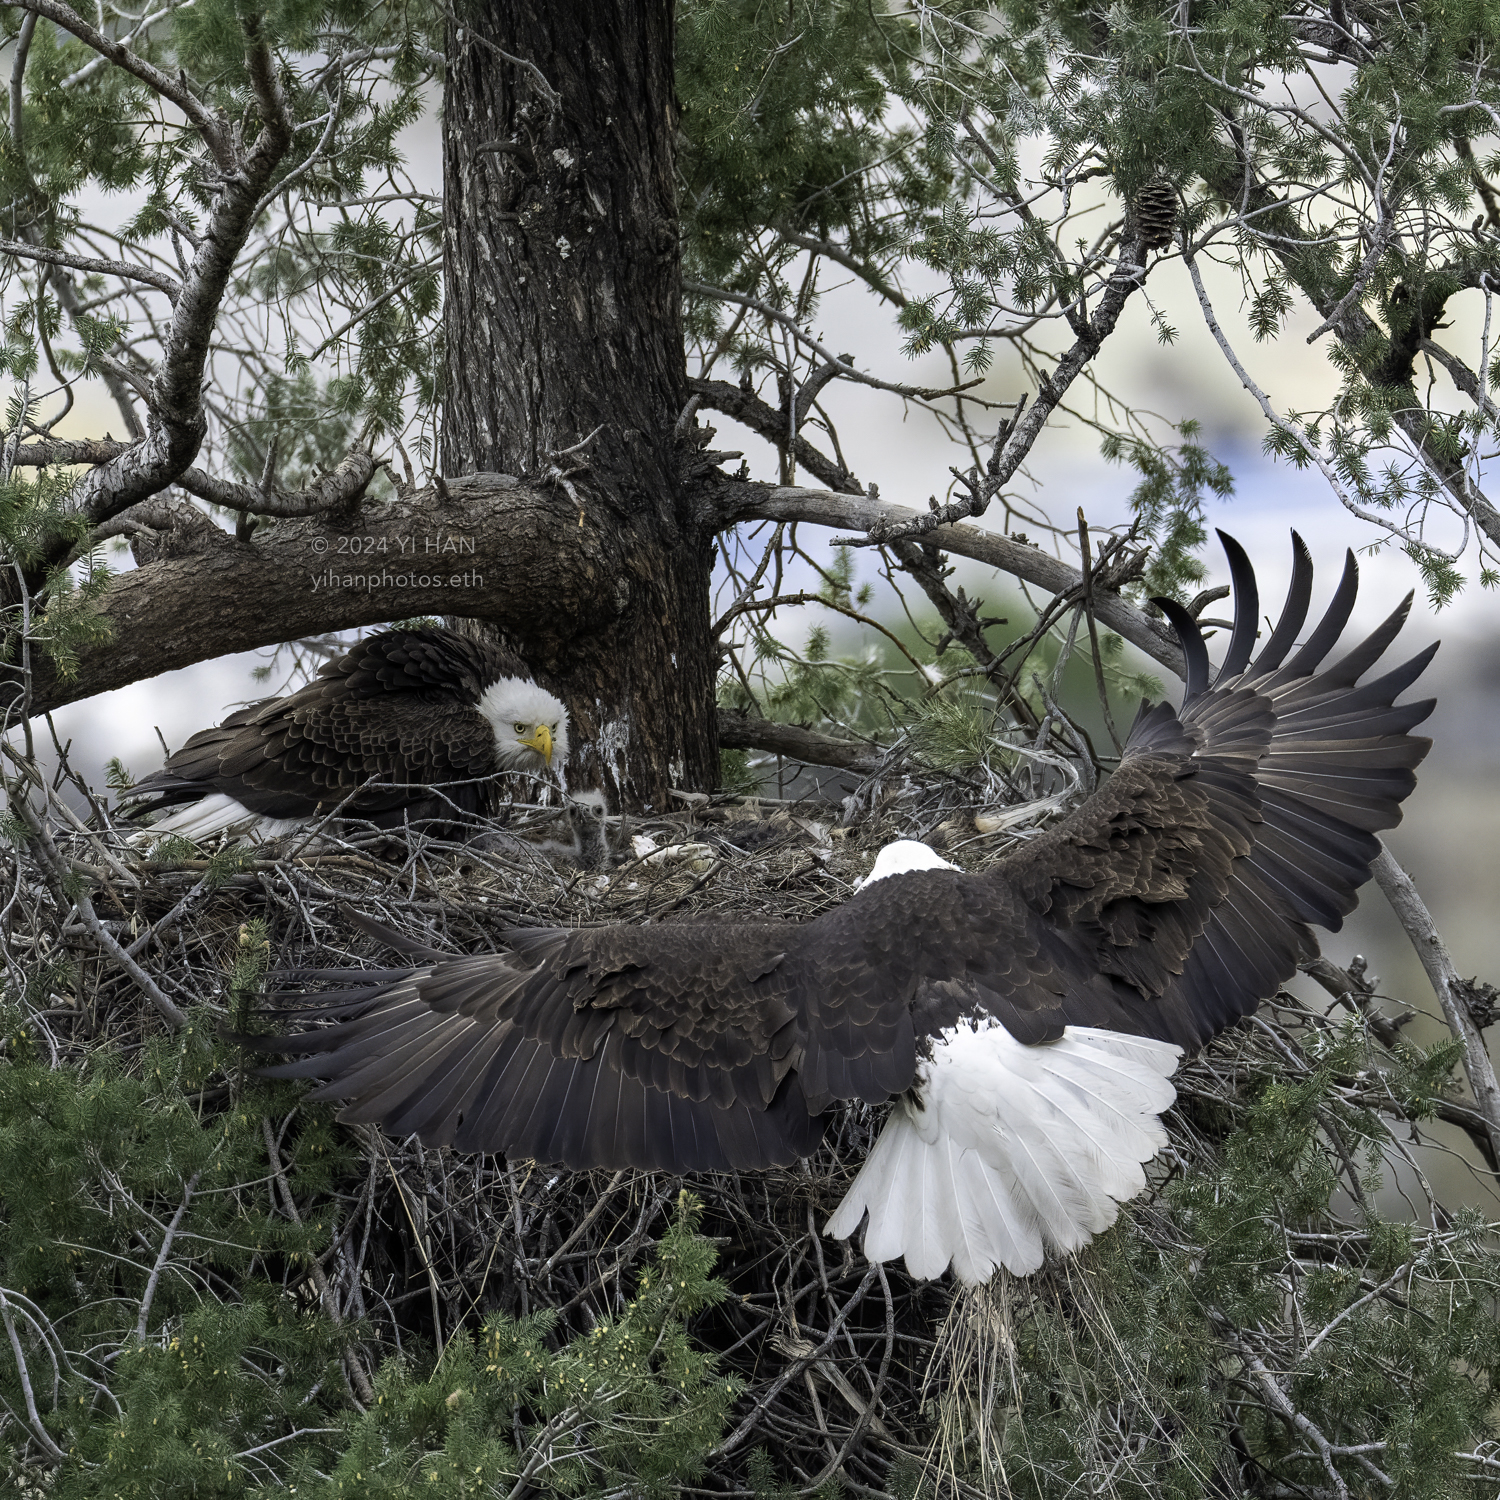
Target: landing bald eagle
[(1025, 1021), (409, 711)]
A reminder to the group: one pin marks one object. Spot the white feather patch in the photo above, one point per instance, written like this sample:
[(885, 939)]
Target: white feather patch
[(515, 701), (213, 815), (901, 858), (1009, 1149)]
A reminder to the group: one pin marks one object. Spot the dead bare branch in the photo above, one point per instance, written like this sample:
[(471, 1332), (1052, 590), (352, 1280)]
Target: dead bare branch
[(746, 500), (1411, 911), (737, 732)]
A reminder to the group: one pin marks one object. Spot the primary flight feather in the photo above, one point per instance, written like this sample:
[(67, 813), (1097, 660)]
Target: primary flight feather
[(1025, 1021)]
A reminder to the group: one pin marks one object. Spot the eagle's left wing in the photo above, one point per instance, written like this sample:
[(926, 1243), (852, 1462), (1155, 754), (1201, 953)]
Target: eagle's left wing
[(684, 1047)]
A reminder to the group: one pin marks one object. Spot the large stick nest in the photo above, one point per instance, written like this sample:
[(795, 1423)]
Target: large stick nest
[(850, 1370)]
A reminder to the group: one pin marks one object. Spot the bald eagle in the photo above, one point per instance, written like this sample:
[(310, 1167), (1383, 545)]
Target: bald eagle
[(1024, 1023), (408, 725)]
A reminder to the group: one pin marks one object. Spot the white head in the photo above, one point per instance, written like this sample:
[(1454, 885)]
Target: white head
[(901, 858), (531, 726)]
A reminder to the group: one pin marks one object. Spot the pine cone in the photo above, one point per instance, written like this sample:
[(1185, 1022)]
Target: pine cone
[(1156, 212)]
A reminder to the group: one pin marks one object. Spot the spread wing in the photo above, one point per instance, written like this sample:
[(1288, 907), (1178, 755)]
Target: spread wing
[(1339, 762), (1168, 905), (703, 1046), (397, 710), (1193, 879), (610, 1047)]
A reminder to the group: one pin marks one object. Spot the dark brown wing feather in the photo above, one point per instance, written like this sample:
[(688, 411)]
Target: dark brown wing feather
[(1168, 905), (477, 1052), (398, 709), (684, 1047)]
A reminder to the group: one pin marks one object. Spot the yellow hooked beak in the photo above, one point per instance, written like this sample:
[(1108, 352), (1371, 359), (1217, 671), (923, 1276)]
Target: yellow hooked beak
[(540, 740)]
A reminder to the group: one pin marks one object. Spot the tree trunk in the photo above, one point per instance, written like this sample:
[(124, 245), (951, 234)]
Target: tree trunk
[(564, 357)]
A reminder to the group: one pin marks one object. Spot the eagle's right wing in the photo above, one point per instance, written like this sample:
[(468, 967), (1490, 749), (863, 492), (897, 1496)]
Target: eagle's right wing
[(1192, 878)]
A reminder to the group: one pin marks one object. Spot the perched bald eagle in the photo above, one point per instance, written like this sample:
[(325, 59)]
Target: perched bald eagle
[(1024, 1022), (407, 726)]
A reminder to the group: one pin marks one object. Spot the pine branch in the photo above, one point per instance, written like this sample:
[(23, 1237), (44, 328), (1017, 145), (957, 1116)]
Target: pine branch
[(1411, 911), (176, 392), (213, 128), (745, 500), (520, 559), (126, 270), (336, 490), (1394, 356), (840, 366), (739, 732), (745, 406)]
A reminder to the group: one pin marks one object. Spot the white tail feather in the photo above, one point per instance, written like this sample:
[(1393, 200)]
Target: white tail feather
[(213, 815), (1005, 1149)]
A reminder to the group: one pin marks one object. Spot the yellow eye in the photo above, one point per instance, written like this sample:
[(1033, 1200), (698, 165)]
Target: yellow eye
[(520, 728)]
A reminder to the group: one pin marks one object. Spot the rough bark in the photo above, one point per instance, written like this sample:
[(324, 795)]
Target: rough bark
[(563, 328), (493, 548)]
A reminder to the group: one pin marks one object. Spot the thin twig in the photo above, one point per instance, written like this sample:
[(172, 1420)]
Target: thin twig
[(1411, 911), (168, 1236)]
